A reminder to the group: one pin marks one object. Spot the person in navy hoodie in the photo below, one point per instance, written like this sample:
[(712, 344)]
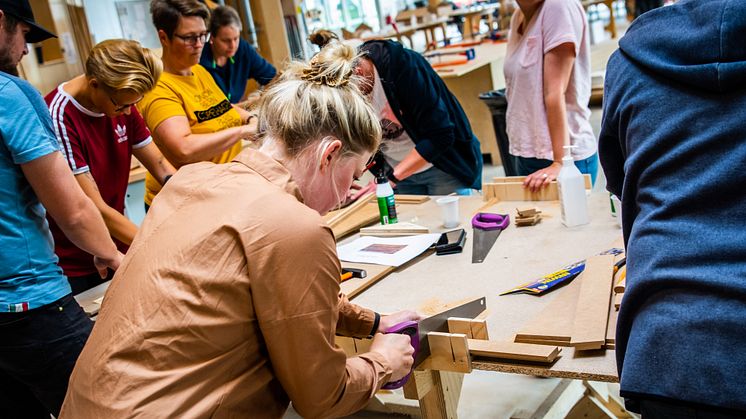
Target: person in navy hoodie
[(229, 59), (673, 145)]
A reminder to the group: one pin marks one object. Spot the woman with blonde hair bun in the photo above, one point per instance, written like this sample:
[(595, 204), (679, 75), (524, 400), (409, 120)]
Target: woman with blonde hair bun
[(99, 130), (228, 301)]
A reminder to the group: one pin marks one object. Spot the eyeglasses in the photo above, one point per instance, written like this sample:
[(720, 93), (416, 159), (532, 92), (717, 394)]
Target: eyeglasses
[(193, 39), (120, 108)]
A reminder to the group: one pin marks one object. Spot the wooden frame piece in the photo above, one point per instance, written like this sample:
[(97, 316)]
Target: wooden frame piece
[(513, 351), (472, 328), (592, 310), (449, 352), (511, 189)]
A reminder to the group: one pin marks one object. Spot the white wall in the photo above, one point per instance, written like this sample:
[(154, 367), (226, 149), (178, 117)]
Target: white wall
[(103, 22)]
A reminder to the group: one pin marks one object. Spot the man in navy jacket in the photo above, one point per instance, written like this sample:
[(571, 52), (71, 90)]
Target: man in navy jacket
[(673, 146), (428, 112)]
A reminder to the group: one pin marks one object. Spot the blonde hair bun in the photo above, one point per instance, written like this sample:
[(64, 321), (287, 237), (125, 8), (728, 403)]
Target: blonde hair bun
[(322, 37)]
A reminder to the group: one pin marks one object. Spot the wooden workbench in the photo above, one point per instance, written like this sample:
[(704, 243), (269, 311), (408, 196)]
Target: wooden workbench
[(468, 81), (519, 255)]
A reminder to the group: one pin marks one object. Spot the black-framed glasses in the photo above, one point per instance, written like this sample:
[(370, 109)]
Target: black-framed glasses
[(120, 108), (193, 39)]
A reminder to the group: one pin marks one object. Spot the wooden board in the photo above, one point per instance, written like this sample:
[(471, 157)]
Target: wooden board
[(554, 323), (355, 286), (353, 221), (407, 199), (513, 351), (592, 310)]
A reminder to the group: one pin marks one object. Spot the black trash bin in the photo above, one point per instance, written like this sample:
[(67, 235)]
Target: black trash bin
[(498, 105)]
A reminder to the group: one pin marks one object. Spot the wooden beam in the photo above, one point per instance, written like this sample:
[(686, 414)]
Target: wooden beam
[(449, 352), (554, 323), (442, 401), (472, 328), (592, 310), (513, 351)]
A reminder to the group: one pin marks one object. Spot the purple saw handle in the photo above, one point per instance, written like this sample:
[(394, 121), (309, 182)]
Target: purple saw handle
[(490, 221), (412, 329)]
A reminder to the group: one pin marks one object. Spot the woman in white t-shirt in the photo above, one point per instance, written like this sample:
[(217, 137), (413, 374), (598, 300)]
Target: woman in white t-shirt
[(548, 85)]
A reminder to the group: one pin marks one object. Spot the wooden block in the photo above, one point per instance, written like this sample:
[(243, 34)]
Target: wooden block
[(527, 212), (442, 401), (528, 221), (411, 199), (449, 352), (554, 323), (513, 351), (354, 286), (472, 328), (419, 384), (592, 310)]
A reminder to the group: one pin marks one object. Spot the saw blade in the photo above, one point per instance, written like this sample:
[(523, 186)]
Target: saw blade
[(439, 323), (483, 242)]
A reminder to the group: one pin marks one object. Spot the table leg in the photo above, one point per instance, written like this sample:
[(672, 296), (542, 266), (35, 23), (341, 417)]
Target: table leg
[(437, 391)]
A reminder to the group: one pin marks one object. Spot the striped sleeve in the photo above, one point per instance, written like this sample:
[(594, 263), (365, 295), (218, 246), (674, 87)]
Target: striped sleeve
[(67, 135)]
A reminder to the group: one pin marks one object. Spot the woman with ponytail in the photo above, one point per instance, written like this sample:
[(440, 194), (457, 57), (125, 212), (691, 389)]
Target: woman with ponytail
[(228, 302), (428, 147)]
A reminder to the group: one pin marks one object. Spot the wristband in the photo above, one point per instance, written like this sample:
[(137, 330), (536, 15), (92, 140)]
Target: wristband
[(376, 322)]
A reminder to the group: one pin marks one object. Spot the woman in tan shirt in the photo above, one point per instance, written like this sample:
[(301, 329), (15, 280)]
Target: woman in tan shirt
[(228, 300)]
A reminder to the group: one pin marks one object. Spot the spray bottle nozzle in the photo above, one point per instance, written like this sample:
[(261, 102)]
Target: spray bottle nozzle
[(568, 153)]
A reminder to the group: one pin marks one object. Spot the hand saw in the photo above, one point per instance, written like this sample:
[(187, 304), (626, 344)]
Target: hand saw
[(418, 331)]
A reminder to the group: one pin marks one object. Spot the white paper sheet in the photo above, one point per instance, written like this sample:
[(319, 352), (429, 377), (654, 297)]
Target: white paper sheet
[(390, 251)]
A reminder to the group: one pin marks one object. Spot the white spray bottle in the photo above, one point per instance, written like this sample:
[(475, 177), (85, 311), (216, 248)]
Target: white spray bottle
[(571, 185)]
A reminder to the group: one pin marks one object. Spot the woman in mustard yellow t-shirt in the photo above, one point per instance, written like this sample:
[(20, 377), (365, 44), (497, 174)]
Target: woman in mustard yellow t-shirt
[(189, 116)]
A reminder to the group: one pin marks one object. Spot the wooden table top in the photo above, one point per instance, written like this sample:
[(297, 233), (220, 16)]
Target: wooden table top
[(519, 255), (485, 53)]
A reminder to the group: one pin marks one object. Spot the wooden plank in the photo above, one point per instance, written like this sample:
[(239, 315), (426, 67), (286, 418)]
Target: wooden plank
[(472, 328), (334, 217), (419, 384), (554, 323), (513, 351), (351, 223), (449, 352), (592, 310), (442, 401), (406, 199), (354, 286)]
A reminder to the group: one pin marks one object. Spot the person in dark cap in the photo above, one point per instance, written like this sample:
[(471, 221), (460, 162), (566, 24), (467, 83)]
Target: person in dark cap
[(43, 329)]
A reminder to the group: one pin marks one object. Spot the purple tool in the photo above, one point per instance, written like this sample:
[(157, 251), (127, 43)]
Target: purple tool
[(406, 328), (487, 228)]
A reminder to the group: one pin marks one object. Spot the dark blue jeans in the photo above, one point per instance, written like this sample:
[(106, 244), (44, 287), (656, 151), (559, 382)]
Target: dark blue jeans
[(38, 350), (432, 181), (527, 165)]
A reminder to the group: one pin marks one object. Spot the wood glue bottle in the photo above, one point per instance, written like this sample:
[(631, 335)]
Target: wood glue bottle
[(571, 186), (386, 202)]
